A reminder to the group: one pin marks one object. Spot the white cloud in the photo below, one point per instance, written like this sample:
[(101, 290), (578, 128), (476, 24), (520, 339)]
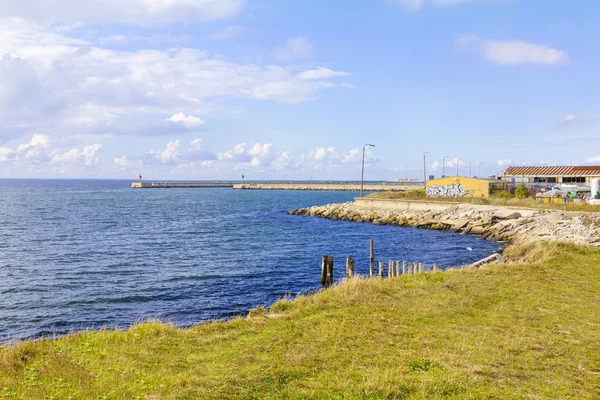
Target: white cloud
[(454, 162), (415, 5), (320, 73), (42, 150), (573, 122), (594, 159), (88, 156), (284, 161), (513, 52), (63, 86), (242, 156), (123, 163), (131, 12), (36, 150), (189, 121), (154, 40), (229, 32), (435, 165), (170, 155), (505, 162), (294, 49)]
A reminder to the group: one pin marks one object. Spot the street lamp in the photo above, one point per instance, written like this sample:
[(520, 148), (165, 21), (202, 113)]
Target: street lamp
[(444, 166), (470, 173), (362, 177), (479, 173), (425, 169), (457, 162)]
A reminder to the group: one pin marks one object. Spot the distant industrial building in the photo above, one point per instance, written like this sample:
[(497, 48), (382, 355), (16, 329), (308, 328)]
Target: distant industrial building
[(559, 174)]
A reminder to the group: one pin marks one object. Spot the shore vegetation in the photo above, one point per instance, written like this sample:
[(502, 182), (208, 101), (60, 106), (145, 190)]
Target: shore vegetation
[(500, 198), (527, 328)]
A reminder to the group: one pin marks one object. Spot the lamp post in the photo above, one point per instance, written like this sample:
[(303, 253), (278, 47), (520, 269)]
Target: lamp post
[(362, 177), (457, 161), (479, 172), (444, 166), (425, 168), (470, 170)]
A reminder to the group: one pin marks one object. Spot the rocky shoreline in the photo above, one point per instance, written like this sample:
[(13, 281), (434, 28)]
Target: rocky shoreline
[(491, 222)]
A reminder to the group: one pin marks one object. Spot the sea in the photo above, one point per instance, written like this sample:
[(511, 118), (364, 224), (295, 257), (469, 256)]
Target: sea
[(79, 254)]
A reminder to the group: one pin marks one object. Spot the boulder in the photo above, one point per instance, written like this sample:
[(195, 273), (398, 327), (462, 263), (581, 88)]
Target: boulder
[(514, 215)]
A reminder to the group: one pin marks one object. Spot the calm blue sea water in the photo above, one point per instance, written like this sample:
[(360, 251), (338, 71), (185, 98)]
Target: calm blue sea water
[(79, 254)]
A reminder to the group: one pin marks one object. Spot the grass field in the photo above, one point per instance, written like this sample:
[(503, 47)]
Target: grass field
[(492, 200), (525, 330)]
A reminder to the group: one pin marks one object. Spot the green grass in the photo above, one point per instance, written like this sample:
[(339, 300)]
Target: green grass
[(499, 200), (525, 330)]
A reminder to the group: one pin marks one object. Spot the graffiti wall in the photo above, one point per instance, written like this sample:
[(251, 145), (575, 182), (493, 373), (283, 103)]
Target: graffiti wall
[(453, 190)]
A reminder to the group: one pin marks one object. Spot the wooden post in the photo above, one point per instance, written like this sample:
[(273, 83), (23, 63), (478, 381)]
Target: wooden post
[(404, 267), (435, 267), (324, 270), (381, 268), (349, 267), (391, 269), (372, 258), (415, 268), (396, 268), (329, 271), (421, 267)]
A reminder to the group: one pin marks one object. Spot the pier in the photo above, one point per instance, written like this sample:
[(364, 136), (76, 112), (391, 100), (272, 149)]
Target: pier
[(324, 186), (186, 185)]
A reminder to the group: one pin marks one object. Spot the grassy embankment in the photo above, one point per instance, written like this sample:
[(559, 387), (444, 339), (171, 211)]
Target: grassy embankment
[(494, 200), (530, 329)]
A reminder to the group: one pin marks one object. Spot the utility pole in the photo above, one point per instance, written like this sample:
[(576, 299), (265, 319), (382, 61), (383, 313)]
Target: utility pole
[(425, 169), (444, 166), (362, 177), (457, 161)]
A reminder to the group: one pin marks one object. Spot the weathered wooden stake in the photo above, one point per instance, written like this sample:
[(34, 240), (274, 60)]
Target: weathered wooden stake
[(372, 258), (349, 267), (390, 269), (329, 271), (396, 268), (381, 268), (435, 267), (324, 270), (415, 268), (404, 267), (421, 267)]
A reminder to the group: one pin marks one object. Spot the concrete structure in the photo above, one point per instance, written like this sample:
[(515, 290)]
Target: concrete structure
[(547, 174), (332, 186), (337, 186), (172, 185), (458, 186)]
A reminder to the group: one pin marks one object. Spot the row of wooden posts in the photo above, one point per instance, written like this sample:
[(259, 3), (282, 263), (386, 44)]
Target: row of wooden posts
[(395, 267)]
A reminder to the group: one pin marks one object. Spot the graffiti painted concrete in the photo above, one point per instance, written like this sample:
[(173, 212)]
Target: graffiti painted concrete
[(455, 190)]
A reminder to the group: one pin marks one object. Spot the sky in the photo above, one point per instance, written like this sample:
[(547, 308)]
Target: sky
[(293, 90)]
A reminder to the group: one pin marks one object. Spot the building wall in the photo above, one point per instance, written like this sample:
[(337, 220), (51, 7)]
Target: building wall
[(458, 186)]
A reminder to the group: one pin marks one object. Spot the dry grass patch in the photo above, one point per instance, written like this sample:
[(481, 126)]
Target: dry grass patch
[(492, 200)]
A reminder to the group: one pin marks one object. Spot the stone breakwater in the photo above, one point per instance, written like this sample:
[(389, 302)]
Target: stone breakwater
[(491, 222)]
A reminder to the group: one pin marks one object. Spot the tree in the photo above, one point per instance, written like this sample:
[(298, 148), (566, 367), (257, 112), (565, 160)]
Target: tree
[(521, 191)]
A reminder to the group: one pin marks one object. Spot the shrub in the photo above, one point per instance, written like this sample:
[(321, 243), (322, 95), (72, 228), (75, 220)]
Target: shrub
[(502, 195), (521, 191)]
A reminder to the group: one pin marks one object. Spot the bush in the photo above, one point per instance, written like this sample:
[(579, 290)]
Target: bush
[(502, 195), (521, 191)]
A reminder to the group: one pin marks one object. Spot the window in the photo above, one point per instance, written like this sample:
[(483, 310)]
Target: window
[(544, 180), (573, 179)]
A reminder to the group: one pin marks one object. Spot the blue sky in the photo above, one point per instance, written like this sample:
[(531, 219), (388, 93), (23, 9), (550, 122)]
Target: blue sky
[(211, 89)]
